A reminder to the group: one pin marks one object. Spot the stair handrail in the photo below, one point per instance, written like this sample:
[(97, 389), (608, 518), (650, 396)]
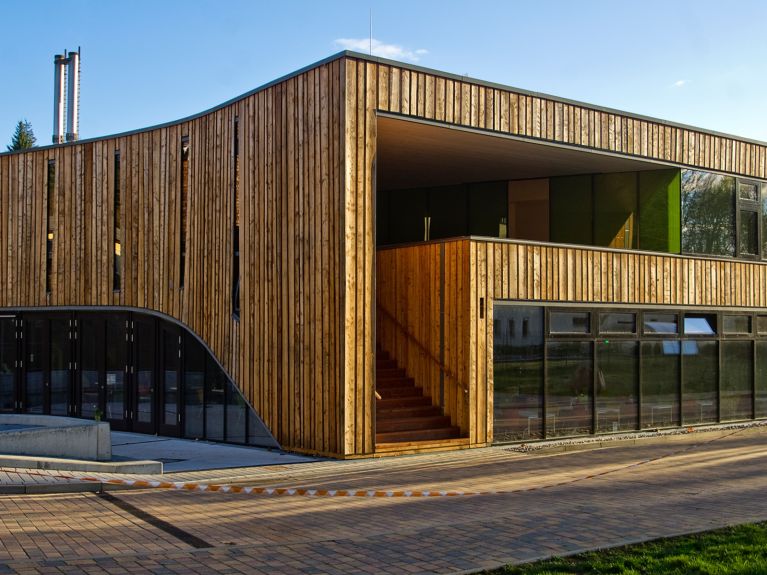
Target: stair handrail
[(442, 366)]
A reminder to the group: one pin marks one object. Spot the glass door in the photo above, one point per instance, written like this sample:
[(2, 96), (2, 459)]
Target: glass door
[(8, 363), (59, 381), (170, 348), (91, 382), (33, 364), (115, 370), (143, 378)]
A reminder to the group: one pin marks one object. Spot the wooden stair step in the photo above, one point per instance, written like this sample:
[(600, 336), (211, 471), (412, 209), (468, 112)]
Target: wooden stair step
[(412, 423), (396, 392), (390, 372), (418, 435), (401, 448), (388, 383), (385, 364), (396, 402), (407, 411)]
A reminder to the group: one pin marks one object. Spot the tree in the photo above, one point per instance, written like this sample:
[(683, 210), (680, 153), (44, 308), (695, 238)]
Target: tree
[(23, 137)]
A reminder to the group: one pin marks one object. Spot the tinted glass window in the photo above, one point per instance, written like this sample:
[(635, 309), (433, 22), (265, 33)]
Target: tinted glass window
[(764, 226), (617, 322), (760, 401), (7, 364), (617, 385), (569, 385), (700, 324), (194, 385), (700, 363), (569, 322), (737, 370), (660, 322), (748, 191), (748, 241), (660, 383), (737, 324), (235, 414), (708, 213), (761, 324), (517, 372)]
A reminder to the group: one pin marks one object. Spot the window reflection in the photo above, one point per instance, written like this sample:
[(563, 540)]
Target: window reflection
[(660, 383), (617, 385), (699, 384), (518, 372), (569, 385), (736, 384), (708, 213)]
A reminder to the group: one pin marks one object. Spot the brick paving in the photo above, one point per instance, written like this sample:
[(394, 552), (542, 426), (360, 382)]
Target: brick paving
[(579, 500)]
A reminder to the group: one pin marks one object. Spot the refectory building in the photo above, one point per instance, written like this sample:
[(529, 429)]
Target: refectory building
[(366, 257)]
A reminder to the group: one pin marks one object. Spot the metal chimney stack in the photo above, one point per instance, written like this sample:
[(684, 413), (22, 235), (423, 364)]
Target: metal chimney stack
[(73, 97), (66, 96), (59, 61)]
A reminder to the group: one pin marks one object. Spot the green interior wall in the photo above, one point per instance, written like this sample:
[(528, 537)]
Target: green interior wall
[(571, 210), (660, 211)]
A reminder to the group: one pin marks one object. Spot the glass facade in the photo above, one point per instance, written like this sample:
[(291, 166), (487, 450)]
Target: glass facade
[(575, 371), (139, 372), (518, 375)]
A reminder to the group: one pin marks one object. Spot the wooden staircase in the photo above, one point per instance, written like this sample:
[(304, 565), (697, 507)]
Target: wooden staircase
[(404, 414)]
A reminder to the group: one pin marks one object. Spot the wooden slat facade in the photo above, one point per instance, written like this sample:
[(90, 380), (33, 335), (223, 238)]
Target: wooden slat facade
[(303, 350), (287, 350), (477, 272)]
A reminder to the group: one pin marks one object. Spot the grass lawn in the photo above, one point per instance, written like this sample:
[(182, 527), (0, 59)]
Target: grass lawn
[(738, 550)]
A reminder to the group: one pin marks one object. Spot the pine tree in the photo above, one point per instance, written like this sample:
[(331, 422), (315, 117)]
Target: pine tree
[(23, 137)]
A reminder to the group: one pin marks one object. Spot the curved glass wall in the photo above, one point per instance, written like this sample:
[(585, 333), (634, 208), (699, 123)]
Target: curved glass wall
[(574, 371), (138, 372)]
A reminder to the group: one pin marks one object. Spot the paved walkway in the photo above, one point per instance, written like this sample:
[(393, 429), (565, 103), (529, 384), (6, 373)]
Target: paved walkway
[(548, 504)]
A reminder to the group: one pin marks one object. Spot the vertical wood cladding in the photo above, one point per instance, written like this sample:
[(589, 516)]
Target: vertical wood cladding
[(431, 96), (478, 270), (286, 351), (303, 349)]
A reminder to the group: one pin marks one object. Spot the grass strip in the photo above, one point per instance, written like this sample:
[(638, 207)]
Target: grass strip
[(740, 550)]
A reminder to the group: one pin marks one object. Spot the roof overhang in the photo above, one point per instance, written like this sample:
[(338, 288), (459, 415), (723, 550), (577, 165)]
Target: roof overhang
[(414, 153)]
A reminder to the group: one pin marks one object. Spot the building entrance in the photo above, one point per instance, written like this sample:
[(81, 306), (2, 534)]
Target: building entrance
[(128, 368)]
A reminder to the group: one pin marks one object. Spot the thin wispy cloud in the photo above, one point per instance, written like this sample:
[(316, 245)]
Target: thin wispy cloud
[(392, 51), (679, 83)]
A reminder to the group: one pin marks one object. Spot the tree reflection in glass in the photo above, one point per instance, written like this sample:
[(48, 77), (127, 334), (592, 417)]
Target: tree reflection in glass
[(708, 213)]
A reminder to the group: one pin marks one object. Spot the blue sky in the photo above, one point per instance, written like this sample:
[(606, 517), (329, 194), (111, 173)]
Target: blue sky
[(146, 62)]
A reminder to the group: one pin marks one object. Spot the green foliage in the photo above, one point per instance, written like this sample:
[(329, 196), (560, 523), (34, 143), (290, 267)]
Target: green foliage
[(738, 550), (23, 137)]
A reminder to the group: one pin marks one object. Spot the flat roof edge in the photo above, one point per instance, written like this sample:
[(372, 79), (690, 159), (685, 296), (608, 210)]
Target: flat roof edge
[(412, 67), (545, 96)]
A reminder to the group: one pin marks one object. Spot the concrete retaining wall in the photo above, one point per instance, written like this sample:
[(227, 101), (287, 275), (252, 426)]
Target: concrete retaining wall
[(56, 437)]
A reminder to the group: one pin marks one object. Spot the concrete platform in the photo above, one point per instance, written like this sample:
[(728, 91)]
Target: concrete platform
[(47, 436)]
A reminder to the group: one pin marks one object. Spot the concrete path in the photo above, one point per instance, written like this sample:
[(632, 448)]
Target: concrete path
[(186, 455), (549, 504)]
